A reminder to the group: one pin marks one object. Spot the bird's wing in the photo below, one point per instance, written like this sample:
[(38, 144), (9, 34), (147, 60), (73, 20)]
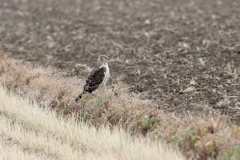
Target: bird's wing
[(95, 79)]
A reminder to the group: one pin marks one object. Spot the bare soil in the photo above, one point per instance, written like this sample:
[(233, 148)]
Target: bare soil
[(181, 54)]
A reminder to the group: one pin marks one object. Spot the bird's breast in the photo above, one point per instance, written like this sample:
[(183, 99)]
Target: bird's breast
[(107, 75)]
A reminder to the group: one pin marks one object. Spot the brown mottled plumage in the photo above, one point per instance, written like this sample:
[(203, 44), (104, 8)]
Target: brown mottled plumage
[(99, 75)]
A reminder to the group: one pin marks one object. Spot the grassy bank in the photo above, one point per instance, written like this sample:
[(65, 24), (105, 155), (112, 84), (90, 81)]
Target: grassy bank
[(209, 135), (28, 132)]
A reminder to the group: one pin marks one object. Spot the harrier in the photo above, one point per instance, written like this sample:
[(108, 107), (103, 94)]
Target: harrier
[(99, 75)]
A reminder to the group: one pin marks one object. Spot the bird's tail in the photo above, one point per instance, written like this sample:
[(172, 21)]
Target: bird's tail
[(80, 96)]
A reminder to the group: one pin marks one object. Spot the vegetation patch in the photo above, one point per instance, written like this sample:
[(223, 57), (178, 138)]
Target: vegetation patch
[(29, 132), (209, 135)]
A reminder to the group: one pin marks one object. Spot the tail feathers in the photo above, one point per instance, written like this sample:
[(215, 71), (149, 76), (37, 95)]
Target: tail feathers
[(80, 96)]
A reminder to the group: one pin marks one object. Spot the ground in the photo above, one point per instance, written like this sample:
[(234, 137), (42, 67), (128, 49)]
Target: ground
[(182, 54)]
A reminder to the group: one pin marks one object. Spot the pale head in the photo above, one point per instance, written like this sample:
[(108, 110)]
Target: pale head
[(103, 59)]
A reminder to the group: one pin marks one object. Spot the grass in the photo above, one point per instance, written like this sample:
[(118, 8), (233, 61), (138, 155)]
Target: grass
[(206, 136), (41, 134)]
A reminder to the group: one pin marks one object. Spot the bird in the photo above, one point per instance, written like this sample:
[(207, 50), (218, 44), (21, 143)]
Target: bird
[(98, 76)]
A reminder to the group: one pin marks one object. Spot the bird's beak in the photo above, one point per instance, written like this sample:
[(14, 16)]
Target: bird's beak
[(106, 58)]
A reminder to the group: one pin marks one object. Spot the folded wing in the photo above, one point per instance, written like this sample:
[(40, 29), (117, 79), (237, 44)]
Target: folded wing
[(95, 79)]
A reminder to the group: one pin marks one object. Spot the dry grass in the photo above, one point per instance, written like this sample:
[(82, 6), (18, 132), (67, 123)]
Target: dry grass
[(41, 131), (16, 153), (205, 136)]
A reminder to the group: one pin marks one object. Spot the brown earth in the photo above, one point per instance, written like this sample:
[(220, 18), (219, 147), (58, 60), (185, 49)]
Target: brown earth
[(179, 53)]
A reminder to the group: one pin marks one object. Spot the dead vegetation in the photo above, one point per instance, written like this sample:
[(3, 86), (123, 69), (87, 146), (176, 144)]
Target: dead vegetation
[(209, 135), (28, 132)]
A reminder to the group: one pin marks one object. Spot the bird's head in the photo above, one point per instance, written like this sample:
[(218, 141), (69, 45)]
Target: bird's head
[(103, 59)]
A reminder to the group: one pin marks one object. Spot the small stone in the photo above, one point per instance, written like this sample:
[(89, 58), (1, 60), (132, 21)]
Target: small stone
[(147, 22)]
